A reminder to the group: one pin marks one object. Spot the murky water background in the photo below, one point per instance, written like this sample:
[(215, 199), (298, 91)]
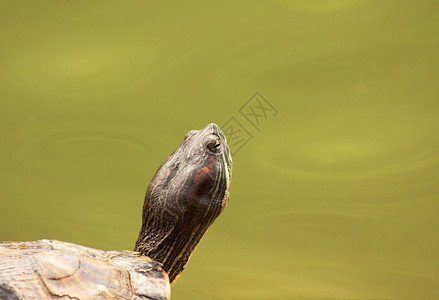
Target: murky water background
[(336, 197)]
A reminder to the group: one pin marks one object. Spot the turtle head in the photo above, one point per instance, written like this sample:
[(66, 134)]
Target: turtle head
[(185, 196), (199, 171)]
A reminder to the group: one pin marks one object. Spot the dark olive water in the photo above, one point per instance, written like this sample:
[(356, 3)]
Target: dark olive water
[(335, 197)]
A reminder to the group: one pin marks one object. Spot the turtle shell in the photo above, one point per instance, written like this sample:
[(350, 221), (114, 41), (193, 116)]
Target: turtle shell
[(50, 269)]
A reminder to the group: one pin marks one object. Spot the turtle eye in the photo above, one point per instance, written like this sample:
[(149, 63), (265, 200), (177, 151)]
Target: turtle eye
[(214, 145)]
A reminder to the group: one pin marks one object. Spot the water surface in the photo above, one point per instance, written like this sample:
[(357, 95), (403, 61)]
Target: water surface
[(336, 197)]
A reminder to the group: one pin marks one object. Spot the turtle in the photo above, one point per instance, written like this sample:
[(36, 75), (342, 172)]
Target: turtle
[(185, 196)]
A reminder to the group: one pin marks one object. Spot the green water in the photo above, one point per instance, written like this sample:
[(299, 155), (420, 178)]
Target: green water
[(335, 197)]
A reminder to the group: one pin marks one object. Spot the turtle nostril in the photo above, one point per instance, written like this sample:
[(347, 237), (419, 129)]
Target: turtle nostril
[(213, 128)]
